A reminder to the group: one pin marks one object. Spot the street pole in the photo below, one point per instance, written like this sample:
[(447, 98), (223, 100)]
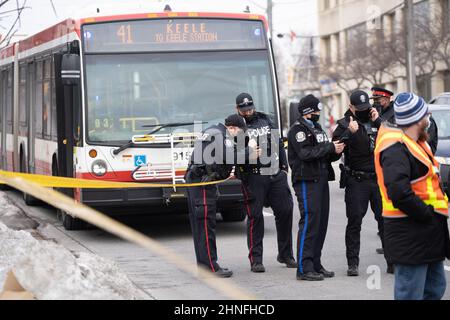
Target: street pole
[(410, 48), (270, 15)]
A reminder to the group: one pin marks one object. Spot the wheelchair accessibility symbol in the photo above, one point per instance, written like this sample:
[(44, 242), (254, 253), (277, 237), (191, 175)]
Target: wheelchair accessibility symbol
[(140, 160)]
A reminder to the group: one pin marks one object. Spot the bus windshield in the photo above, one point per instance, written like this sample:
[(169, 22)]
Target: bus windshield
[(126, 93)]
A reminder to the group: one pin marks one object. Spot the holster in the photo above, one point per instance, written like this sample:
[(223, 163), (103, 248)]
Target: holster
[(344, 177)]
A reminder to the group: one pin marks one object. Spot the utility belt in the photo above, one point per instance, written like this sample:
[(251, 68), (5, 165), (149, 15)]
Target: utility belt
[(361, 175), (346, 173), (261, 171)]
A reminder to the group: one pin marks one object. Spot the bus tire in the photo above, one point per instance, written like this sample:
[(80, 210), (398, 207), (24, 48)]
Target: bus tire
[(70, 223), (236, 214)]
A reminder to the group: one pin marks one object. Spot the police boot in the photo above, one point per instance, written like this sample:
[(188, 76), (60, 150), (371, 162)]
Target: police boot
[(223, 273), (353, 271), (289, 262), (326, 274), (310, 276), (258, 268)]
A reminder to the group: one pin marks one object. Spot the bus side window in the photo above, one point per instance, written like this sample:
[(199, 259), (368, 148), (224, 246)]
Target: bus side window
[(38, 105), (9, 101), (47, 99), (22, 95)]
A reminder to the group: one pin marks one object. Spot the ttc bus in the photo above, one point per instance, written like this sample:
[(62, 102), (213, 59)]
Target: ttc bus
[(78, 97)]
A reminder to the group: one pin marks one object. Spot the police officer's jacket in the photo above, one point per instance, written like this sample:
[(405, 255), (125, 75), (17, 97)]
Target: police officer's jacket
[(261, 128), (215, 154), (387, 114), (360, 146), (310, 152)]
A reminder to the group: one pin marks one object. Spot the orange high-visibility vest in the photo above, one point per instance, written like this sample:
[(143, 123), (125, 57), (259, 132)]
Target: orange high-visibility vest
[(426, 188)]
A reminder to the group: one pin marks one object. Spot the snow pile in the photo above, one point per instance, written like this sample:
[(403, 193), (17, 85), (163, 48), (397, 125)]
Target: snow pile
[(13, 217), (51, 272)]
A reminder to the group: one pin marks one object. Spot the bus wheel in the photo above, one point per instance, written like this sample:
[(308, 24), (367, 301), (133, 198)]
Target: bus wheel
[(71, 223), (28, 199), (236, 214)]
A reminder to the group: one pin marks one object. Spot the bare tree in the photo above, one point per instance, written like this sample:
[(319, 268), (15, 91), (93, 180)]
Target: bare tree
[(373, 55), (13, 15)]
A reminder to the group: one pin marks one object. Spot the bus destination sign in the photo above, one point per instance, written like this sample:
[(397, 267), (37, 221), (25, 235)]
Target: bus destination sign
[(173, 35)]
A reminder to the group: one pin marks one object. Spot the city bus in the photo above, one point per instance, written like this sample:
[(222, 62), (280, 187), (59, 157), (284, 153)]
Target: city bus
[(78, 98)]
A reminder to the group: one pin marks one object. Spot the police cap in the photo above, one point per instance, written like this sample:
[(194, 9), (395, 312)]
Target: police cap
[(244, 102), (381, 92), (360, 100)]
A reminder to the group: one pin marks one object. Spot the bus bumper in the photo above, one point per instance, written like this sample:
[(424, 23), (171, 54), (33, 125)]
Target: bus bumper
[(230, 195)]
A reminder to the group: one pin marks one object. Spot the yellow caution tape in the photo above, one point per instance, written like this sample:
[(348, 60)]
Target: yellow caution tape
[(62, 182), (96, 218)]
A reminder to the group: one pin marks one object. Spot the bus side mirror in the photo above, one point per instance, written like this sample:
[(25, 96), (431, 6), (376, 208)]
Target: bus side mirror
[(294, 114), (70, 69)]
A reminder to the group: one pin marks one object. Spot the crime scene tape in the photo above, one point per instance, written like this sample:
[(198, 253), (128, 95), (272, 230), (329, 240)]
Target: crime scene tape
[(96, 218), (64, 182)]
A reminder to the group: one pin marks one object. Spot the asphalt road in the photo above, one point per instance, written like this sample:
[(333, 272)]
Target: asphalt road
[(161, 280)]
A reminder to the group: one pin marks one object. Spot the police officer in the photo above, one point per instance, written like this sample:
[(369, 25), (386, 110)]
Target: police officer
[(264, 184), (213, 158), (358, 129), (384, 103), (310, 156), (382, 99)]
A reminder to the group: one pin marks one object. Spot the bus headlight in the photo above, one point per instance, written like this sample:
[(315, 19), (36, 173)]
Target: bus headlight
[(99, 168), (443, 160)]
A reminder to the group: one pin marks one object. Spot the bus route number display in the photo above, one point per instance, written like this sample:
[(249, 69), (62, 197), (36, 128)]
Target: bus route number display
[(173, 35)]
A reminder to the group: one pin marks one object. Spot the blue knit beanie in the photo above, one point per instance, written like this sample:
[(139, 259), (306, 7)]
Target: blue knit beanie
[(409, 109)]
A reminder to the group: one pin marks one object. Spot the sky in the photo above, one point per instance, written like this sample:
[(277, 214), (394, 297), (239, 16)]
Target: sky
[(299, 16)]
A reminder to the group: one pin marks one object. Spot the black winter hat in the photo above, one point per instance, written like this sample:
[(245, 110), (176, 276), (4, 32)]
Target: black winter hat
[(236, 120), (309, 104)]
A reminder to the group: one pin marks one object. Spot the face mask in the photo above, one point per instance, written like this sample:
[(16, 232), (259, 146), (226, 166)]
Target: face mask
[(315, 118), (377, 106), (363, 116)]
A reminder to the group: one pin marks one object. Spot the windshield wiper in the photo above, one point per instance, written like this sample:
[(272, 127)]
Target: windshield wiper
[(169, 125), (130, 143)]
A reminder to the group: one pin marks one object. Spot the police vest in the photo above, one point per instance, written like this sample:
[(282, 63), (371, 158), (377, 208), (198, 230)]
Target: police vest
[(427, 188)]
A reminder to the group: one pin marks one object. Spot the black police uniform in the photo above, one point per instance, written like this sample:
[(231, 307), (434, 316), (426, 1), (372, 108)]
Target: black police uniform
[(265, 185), (310, 155), (359, 180), (202, 200)]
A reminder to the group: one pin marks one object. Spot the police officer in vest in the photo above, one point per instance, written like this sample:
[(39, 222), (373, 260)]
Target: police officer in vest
[(358, 130), (265, 184), (310, 156), (213, 158), (383, 102), (415, 208)]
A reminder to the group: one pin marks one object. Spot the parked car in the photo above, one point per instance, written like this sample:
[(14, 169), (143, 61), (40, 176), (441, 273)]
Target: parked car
[(442, 99), (441, 115)]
